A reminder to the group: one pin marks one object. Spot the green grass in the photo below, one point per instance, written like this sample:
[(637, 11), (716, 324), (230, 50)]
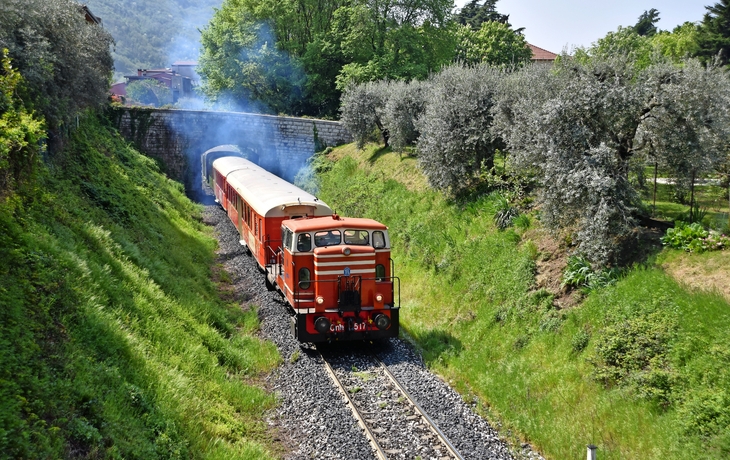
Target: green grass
[(114, 342), (639, 369), (712, 198)]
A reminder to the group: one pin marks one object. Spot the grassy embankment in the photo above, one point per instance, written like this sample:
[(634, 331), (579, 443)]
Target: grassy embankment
[(114, 341), (640, 368)]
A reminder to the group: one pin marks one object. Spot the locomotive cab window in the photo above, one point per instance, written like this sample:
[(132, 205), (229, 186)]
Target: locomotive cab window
[(304, 242), (328, 238), (378, 240), (357, 237), (286, 237)]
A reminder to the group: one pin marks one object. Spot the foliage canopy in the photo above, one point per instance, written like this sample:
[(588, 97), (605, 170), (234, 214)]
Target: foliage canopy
[(65, 62)]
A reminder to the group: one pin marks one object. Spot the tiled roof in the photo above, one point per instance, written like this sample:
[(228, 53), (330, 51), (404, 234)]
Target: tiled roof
[(539, 54)]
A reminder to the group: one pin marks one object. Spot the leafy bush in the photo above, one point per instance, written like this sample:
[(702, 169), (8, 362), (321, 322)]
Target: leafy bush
[(405, 103), (505, 213), (580, 341), (694, 238), (579, 273), (633, 352), (20, 132)]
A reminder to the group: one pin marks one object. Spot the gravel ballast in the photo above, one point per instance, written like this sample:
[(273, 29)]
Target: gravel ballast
[(312, 418)]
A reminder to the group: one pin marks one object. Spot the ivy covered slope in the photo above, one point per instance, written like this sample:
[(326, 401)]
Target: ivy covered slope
[(114, 341), (640, 367)]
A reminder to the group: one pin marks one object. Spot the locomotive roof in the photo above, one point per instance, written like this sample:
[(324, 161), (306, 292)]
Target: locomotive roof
[(332, 222), (265, 192)]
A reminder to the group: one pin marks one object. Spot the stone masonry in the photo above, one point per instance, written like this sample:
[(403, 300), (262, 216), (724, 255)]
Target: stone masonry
[(177, 138)]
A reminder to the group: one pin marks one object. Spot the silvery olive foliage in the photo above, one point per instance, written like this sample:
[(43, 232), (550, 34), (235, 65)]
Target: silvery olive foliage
[(579, 125), (456, 139), (688, 129), (65, 61), (362, 111), (405, 102), (390, 106)]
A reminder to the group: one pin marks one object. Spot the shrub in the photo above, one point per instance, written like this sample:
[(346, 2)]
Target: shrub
[(633, 352), (505, 214), (694, 238), (149, 91), (580, 341), (579, 273)]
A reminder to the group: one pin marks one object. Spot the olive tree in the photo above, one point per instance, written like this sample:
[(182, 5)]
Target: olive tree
[(405, 102), (65, 62), (687, 128), (362, 111), (579, 126), (456, 139)]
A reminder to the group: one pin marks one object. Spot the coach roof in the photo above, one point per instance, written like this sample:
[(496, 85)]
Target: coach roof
[(268, 194)]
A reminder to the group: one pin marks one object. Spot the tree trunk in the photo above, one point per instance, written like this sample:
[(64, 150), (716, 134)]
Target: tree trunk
[(692, 198), (653, 211)]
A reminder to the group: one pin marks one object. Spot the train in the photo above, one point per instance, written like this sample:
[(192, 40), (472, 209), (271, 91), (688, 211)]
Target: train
[(335, 273)]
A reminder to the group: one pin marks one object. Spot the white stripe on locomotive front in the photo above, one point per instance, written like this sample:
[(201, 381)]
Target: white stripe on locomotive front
[(352, 272), (347, 262)]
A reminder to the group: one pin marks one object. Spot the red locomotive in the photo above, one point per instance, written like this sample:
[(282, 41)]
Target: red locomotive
[(335, 272)]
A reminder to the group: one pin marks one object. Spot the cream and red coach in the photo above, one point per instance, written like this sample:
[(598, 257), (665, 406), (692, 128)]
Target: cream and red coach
[(257, 202), (336, 273)]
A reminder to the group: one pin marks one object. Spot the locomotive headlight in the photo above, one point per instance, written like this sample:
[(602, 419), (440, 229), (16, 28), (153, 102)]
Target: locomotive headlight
[(322, 324), (378, 297), (382, 322), (320, 300), (346, 251)]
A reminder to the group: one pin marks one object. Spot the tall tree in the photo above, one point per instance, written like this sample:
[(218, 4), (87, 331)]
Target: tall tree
[(474, 15), (646, 25), (494, 43), (714, 33), (394, 39), (242, 66)]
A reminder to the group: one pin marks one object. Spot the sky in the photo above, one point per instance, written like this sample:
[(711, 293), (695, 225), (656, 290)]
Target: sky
[(556, 24)]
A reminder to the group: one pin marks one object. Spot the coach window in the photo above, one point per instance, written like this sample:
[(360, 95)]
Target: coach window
[(328, 238), (378, 240), (304, 242), (357, 237)]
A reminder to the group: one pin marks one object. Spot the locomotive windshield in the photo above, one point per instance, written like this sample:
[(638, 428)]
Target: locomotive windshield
[(358, 237), (302, 242), (328, 238)]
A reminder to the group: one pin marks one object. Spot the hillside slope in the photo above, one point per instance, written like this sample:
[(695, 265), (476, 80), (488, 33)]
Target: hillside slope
[(114, 342), (640, 368), (153, 34)]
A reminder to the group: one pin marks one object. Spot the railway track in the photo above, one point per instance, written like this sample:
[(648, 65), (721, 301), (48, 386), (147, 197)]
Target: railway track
[(394, 423)]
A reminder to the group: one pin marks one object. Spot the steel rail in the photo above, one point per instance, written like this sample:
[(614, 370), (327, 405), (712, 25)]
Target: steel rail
[(358, 416), (442, 437)]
